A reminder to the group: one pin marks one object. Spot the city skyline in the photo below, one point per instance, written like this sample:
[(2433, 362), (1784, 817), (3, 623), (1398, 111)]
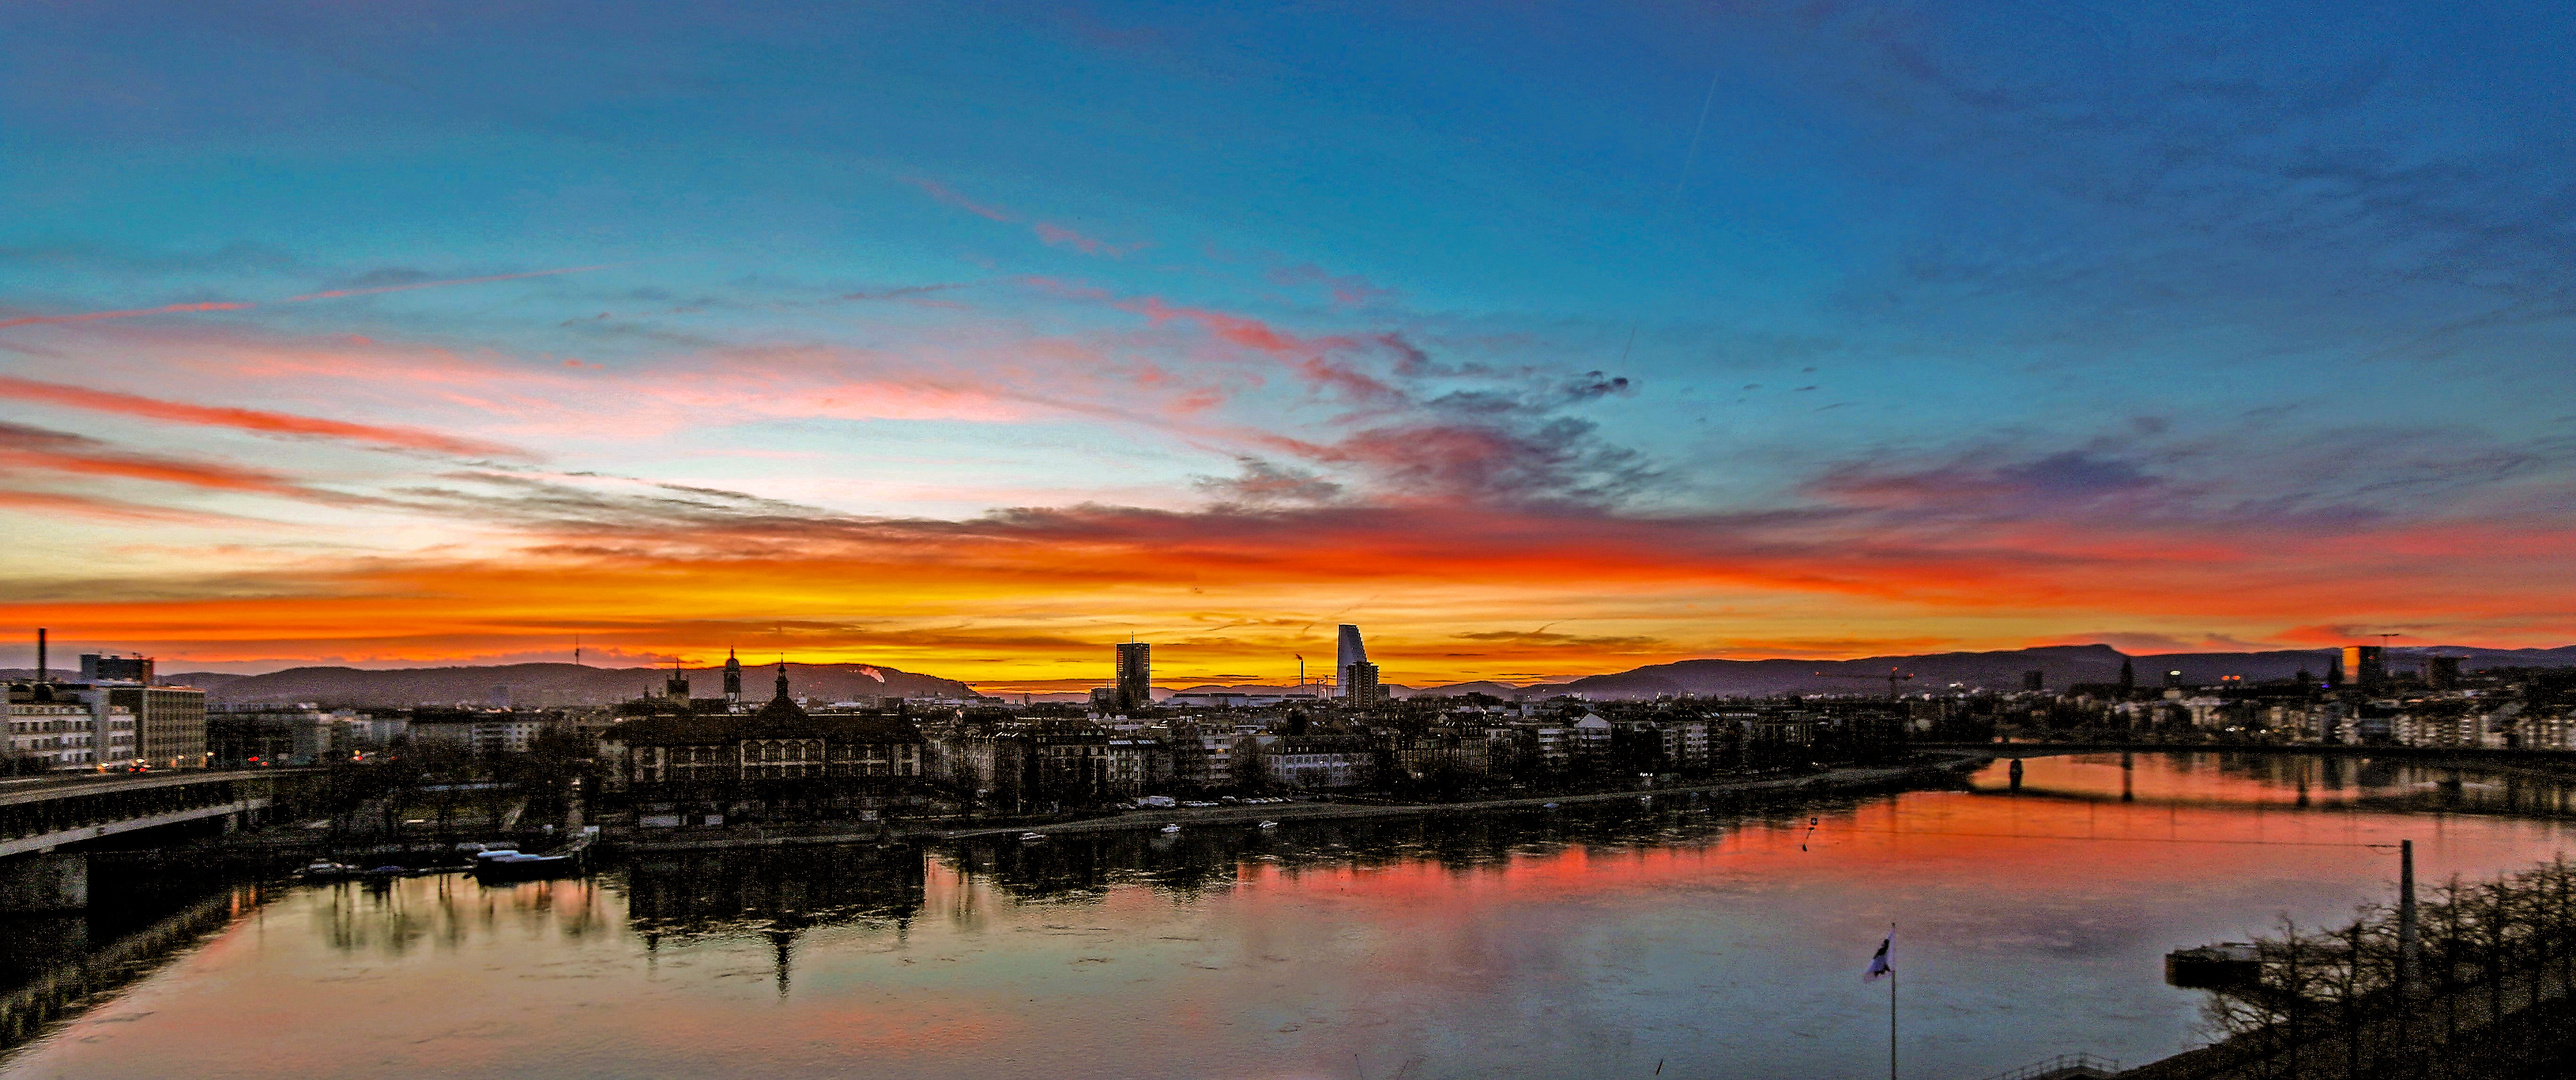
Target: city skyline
[(1542, 348)]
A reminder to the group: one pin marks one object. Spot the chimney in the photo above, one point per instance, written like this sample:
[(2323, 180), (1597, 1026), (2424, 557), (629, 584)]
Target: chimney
[(40, 655)]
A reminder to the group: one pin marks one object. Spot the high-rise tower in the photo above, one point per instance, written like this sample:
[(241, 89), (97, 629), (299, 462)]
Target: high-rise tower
[(1359, 684), (1351, 651), (1135, 690)]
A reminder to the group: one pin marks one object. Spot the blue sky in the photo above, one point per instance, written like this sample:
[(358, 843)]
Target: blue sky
[(2104, 290)]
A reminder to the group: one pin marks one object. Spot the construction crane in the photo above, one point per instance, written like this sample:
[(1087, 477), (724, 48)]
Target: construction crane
[(1893, 677)]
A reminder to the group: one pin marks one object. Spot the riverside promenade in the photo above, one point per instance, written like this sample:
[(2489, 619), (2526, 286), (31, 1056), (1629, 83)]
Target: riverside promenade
[(1940, 768)]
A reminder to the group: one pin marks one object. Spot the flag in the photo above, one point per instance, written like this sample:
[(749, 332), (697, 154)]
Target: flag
[(1878, 962)]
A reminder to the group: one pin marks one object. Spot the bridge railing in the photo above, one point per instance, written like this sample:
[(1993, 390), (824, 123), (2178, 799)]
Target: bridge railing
[(79, 809)]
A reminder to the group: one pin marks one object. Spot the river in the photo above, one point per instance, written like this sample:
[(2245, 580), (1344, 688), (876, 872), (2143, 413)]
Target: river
[(1697, 937)]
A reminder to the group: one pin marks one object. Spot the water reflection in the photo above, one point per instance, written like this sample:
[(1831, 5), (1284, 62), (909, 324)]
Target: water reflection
[(1707, 936), (2295, 780), (1186, 866), (773, 894), (390, 919)]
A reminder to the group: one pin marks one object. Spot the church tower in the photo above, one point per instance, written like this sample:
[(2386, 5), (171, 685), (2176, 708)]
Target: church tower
[(733, 678), (782, 707)]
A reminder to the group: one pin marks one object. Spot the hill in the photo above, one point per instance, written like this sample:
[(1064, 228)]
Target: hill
[(546, 685), (2061, 665)]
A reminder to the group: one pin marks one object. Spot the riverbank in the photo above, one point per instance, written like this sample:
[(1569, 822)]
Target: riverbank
[(1941, 768)]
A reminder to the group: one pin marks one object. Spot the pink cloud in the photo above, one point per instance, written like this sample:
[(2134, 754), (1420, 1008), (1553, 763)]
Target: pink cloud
[(1350, 290), (243, 305), (131, 313), (252, 420), (332, 294), (940, 191), (1058, 236), (1048, 232)]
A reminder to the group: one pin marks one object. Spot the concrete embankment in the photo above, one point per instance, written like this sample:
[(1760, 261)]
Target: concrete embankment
[(1936, 769)]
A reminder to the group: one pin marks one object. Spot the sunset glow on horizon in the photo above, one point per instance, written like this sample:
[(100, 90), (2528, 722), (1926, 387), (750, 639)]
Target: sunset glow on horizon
[(970, 343)]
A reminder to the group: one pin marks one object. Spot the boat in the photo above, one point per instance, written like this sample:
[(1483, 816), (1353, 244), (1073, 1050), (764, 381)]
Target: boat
[(1172, 828), (1270, 824), (514, 866), (1033, 838)]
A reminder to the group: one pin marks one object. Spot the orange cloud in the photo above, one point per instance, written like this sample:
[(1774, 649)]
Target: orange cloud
[(54, 502), (1030, 596)]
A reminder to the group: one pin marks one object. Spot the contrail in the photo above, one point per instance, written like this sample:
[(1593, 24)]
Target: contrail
[(327, 294), (1698, 128), (133, 313), (334, 293)]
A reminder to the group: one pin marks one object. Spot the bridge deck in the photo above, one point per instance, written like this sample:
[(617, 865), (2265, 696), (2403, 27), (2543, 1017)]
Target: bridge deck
[(34, 789)]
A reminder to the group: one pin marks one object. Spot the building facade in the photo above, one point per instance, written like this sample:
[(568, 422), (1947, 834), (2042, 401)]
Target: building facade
[(1134, 690), (778, 756)]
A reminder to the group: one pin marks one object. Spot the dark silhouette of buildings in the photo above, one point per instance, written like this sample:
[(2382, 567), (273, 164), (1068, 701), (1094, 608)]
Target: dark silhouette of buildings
[(1349, 652), (1134, 690), (779, 755), (133, 669), (2442, 672)]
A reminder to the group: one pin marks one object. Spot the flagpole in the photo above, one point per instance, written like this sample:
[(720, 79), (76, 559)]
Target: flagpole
[(1891, 1010)]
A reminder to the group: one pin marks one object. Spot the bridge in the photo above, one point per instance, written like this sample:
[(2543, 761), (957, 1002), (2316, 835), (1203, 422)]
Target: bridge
[(2461, 756), (39, 816)]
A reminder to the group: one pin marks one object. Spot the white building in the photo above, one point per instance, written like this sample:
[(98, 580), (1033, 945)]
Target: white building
[(57, 734)]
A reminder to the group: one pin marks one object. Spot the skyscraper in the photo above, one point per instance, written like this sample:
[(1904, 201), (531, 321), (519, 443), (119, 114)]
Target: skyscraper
[(1135, 689), (100, 668), (1359, 683), (2442, 672), (1350, 652), (2365, 665)]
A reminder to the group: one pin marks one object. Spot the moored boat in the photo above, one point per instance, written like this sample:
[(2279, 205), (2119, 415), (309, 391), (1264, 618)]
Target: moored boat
[(514, 866)]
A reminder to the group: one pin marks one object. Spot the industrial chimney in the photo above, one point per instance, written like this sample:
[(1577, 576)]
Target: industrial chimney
[(40, 655)]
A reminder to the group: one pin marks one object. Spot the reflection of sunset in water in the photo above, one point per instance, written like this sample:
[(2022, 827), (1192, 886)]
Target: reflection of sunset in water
[(1587, 941)]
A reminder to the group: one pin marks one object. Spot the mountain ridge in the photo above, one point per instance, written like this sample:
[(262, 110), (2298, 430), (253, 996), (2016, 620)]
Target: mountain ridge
[(563, 684), (550, 684)]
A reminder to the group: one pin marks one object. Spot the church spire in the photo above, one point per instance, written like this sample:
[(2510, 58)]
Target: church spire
[(781, 707)]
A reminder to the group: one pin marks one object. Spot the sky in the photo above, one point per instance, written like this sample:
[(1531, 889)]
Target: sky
[(1538, 340)]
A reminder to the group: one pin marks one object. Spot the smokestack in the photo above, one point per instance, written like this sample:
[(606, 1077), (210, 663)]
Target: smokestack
[(40, 654)]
